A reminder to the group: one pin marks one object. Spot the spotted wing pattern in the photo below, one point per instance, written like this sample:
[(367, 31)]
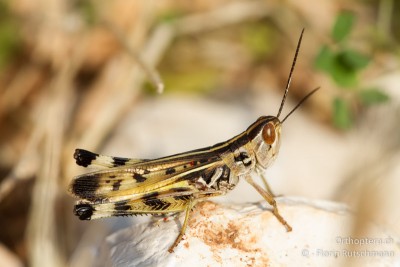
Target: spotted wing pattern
[(130, 186)]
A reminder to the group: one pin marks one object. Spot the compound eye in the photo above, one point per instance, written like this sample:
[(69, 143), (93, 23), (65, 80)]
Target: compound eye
[(269, 133)]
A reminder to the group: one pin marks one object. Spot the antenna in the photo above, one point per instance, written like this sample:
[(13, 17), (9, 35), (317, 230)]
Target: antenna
[(290, 75), (301, 102)]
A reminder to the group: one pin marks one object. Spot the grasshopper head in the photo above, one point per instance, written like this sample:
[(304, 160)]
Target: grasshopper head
[(265, 138), (265, 133)]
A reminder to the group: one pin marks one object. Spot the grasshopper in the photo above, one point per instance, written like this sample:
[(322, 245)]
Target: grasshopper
[(176, 183)]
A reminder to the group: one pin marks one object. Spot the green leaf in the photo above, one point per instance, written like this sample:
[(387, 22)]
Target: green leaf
[(353, 59), (344, 23), (324, 59), (335, 64), (341, 114), (342, 74), (373, 96)]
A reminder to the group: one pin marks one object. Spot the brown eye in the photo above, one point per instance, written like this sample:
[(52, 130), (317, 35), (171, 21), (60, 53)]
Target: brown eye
[(268, 133)]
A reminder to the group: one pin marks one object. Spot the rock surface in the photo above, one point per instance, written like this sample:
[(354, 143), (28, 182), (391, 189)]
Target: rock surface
[(249, 235)]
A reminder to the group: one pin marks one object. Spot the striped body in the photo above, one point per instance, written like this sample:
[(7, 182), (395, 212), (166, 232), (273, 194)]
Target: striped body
[(134, 186)]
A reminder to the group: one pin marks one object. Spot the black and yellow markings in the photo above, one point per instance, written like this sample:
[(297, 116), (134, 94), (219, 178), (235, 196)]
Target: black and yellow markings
[(122, 206), (156, 204), (119, 161), (183, 196), (170, 171), (84, 211), (85, 186), (84, 158), (168, 201), (116, 185), (244, 158), (96, 185), (151, 200), (138, 177), (160, 186), (201, 161), (207, 175)]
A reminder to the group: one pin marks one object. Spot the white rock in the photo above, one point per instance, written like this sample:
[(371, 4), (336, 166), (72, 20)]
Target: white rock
[(249, 235)]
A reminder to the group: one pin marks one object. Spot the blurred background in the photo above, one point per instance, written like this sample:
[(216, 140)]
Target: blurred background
[(88, 74)]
